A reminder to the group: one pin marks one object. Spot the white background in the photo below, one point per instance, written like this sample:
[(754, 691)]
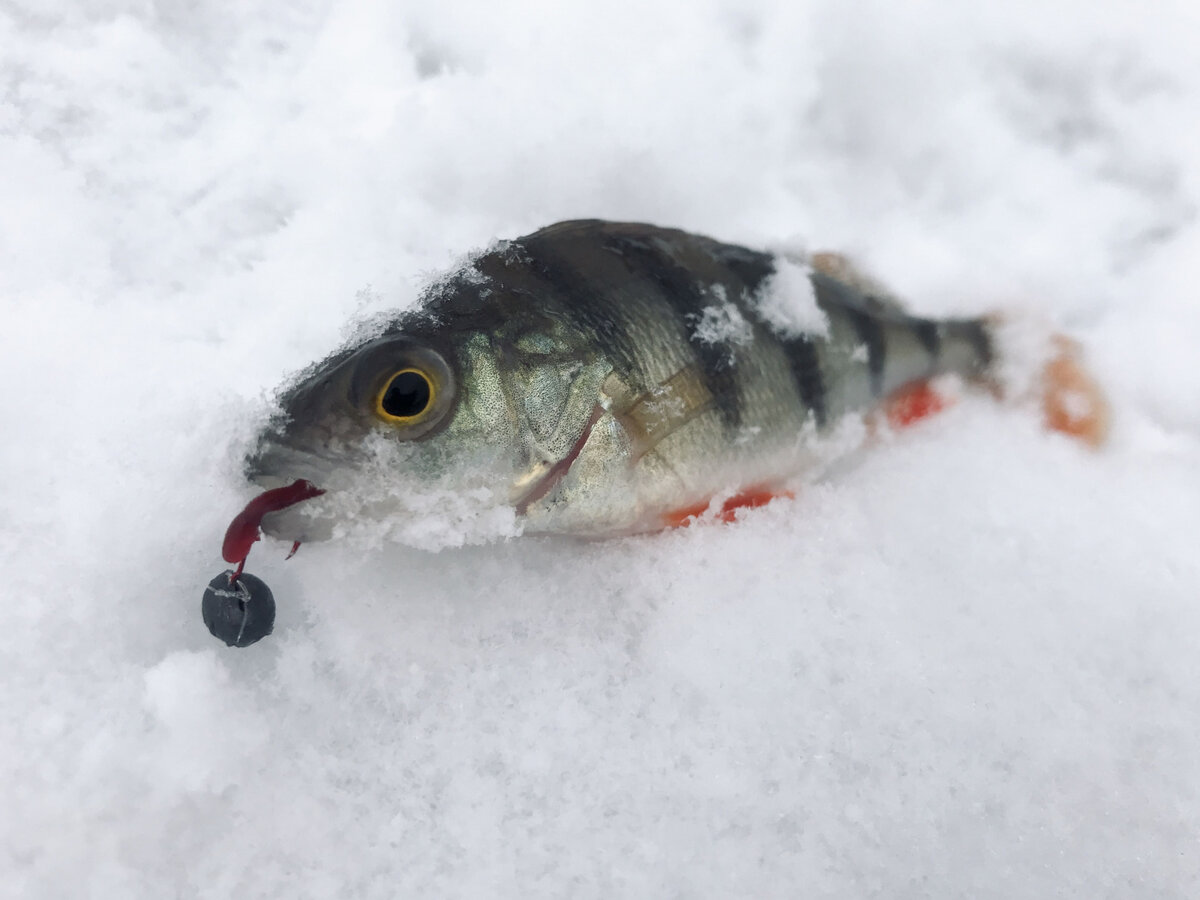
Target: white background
[(966, 664)]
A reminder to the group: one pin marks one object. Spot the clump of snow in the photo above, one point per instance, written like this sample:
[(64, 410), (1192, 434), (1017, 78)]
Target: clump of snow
[(1022, 343), (418, 514), (788, 302), (722, 323), (961, 664), (430, 496)]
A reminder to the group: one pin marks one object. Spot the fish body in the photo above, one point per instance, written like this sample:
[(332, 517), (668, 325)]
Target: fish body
[(597, 378)]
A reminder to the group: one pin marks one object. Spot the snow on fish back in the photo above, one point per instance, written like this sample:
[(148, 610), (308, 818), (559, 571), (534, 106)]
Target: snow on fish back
[(602, 378)]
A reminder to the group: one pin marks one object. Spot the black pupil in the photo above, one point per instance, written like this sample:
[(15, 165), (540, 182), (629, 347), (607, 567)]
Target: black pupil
[(407, 395)]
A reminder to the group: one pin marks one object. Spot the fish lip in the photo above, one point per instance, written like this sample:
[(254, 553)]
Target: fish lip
[(275, 464), (270, 482), (544, 485)]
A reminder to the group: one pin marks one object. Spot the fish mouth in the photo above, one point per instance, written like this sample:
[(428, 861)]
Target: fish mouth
[(558, 471), (275, 464)]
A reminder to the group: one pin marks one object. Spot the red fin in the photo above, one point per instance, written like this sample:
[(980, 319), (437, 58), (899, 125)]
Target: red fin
[(1072, 401), (747, 499), (912, 403)]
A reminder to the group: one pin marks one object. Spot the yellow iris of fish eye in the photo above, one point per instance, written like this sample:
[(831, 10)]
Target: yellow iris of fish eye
[(417, 394)]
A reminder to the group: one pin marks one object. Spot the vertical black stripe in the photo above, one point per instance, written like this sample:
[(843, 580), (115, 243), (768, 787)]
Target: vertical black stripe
[(685, 300), (751, 266), (976, 333), (805, 365), (836, 298), (870, 332), (564, 287), (929, 336)]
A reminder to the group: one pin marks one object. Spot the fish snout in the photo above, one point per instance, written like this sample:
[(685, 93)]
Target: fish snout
[(266, 467), (272, 464)]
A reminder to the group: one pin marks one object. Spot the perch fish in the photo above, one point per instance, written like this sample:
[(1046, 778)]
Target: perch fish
[(599, 378)]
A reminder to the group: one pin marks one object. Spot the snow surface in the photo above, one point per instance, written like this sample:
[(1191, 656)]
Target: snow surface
[(963, 665)]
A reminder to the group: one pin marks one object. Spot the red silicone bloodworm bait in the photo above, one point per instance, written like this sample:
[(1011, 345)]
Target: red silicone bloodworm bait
[(243, 531)]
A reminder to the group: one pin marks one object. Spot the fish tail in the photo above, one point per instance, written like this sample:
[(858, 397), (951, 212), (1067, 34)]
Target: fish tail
[(1038, 366), (1048, 371), (1018, 358), (1041, 366), (1072, 400)]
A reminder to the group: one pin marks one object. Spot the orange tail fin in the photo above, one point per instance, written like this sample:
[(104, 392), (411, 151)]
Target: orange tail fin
[(1072, 401)]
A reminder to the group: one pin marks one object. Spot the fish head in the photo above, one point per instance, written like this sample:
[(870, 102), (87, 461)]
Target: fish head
[(442, 429)]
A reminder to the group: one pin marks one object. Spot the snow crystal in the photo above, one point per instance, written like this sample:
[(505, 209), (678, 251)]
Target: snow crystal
[(721, 323)]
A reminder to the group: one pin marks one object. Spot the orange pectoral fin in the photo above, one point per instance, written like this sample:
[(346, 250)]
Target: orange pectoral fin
[(1072, 401), (750, 498)]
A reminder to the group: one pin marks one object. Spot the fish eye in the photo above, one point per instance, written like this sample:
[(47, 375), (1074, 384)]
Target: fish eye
[(406, 386), (405, 396)]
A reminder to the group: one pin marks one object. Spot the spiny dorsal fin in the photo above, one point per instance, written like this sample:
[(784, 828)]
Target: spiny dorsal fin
[(879, 298)]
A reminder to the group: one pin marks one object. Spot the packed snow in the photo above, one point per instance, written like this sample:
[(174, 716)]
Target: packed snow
[(963, 663), (788, 301)]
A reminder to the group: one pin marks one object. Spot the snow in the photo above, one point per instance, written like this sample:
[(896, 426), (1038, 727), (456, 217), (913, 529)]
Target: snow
[(789, 302), (722, 323), (961, 664)]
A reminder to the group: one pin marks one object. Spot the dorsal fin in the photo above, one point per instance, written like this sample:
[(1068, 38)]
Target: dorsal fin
[(879, 298)]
